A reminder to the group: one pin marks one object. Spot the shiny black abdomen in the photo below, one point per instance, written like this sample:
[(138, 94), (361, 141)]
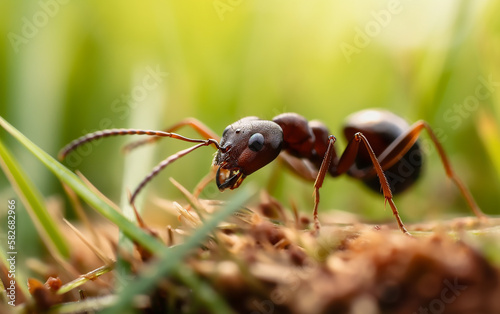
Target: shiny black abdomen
[(381, 128)]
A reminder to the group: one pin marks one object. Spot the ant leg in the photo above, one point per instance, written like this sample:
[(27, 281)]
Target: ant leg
[(301, 167), (325, 165), (204, 182), (193, 123), (403, 143), (347, 160)]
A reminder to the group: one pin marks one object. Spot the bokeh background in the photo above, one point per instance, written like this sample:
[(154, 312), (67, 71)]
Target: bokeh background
[(72, 67)]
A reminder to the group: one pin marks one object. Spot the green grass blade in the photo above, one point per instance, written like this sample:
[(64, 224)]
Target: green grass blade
[(33, 201), (85, 278), (68, 177), (169, 260), (91, 305), (489, 130)]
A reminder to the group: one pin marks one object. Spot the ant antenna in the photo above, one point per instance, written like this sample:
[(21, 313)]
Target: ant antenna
[(118, 132), (166, 162)]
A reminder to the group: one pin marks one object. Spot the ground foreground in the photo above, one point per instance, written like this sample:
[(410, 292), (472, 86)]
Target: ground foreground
[(264, 261)]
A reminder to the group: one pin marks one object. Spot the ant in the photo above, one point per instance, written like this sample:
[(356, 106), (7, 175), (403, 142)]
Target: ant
[(380, 142)]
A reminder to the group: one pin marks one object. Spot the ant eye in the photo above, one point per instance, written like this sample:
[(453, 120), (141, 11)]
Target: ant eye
[(256, 142)]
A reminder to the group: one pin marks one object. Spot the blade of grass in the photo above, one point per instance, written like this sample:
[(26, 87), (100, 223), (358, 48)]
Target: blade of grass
[(85, 278), (169, 261), (489, 130), (68, 177), (33, 201), (136, 166), (83, 306), (169, 257)]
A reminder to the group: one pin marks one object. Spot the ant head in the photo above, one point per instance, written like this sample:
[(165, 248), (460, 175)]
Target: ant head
[(246, 146)]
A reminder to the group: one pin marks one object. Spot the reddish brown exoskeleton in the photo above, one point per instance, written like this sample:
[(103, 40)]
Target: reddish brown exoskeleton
[(380, 143)]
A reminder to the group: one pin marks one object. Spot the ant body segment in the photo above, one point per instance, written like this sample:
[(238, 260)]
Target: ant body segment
[(379, 143)]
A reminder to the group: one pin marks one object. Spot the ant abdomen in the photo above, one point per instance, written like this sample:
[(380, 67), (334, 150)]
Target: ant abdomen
[(382, 128)]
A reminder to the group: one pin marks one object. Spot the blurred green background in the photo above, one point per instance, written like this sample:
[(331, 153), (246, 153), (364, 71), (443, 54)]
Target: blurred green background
[(72, 67)]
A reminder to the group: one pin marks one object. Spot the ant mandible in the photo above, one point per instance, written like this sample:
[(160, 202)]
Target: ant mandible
[(379, 143)]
